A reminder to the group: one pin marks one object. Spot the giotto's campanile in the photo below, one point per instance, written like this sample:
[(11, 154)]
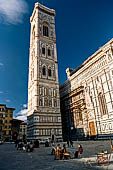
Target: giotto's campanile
[(44, 117)]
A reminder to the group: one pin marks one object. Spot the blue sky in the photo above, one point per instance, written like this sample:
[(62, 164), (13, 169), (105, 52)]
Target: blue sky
[(82, 27)]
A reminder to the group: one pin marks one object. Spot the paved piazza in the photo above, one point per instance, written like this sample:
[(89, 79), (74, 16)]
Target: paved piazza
[(11, 159)]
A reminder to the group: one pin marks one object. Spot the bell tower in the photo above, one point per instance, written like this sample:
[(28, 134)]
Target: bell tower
[(44, 117)]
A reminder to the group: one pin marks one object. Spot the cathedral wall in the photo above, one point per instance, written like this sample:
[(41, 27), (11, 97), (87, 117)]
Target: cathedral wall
[(96, 77)]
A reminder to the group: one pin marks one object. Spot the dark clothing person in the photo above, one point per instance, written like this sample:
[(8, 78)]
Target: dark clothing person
[(46, 144), (68, 142), (79, 152), (80, 149), (16, 143), (76, 154), (28, 146), (64, 149), (36, 143), (71, 143), (53, 139), (53, 151), (20, 145), (31, 147)]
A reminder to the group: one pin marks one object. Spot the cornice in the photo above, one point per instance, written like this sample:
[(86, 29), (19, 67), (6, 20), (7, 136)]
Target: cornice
[(42, 8)]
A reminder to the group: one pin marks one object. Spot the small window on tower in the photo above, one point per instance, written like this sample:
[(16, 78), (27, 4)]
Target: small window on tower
[(45, 31), (49, 72), (43, 50), (44, 71), (49, 52)]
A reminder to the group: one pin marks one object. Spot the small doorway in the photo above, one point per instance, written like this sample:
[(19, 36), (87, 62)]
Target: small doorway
[(92, 129)]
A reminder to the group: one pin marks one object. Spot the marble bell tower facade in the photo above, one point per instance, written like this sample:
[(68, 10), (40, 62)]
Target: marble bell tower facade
[(44, 117)]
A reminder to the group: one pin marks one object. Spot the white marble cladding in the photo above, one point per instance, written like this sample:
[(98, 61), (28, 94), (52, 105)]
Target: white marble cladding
[(96, 75), (43, 84)]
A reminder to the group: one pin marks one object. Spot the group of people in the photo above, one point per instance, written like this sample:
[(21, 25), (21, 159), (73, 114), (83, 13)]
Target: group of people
[(27, 146), (57, 151), (61, 153)]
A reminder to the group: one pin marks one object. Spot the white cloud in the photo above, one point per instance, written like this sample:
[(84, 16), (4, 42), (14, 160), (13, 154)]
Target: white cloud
[(1, 64), (24, 105), (8, 100), (24, 118), (12, 11), (22, 114)]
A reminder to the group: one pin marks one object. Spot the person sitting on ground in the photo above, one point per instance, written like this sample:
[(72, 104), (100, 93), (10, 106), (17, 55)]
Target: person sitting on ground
[(80, 149), (63, 151), (28, 146), (31, 147), (36, 143), (58, 152), (46, 144), (79, 152), (19, 145), (64, 148), (65, 154)]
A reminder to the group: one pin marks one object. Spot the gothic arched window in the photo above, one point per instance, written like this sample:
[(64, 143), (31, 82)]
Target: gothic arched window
[(102, 104), (49, 72), (40, 102), (49, 52), (55, 103), (44, 71), (45, 30), (43, 50)]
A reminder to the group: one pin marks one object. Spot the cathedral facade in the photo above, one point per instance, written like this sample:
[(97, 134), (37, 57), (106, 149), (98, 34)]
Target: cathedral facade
[(87, 97), (44, 117)]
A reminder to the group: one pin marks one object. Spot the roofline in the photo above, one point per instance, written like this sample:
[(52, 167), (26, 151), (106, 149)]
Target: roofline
[(10, 108), (2, 104), (7, 107), (87, 60), (92, 56)]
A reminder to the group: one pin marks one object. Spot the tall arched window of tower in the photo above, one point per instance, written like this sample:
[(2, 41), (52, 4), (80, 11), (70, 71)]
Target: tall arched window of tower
[(43, 50), (44, 71), (102, 104), (49, 72), (45, 29), (49, 52)]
